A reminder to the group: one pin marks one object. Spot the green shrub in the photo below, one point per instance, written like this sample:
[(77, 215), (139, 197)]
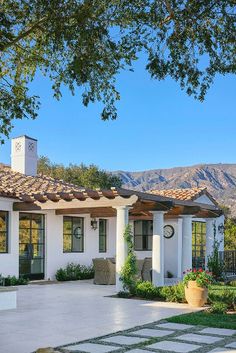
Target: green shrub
[(218, 308), (225, 296), (147, 290), (173, 293), (214, 264), (169, 293), (129, 270), (123, 294), (14, 281), (74, 272)]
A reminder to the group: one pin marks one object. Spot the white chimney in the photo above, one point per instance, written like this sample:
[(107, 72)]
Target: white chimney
[(24, 155)]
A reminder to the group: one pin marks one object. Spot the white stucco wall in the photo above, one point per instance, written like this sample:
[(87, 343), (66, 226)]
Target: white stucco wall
[(172, 249), (9, 264), (55, 257)]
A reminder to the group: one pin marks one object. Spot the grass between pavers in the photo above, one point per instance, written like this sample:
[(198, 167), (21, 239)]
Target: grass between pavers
[(204, 318)]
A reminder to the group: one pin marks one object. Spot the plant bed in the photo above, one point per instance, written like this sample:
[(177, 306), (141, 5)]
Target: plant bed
[(74, 272)]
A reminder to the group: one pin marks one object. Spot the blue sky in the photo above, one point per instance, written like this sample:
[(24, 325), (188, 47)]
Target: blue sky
[(159, 126)]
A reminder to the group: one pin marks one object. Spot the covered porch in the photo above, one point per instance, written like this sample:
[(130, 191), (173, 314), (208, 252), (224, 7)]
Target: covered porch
[(128, 207)]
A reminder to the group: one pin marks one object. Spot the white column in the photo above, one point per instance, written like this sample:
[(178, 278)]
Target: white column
[(179, 250), (187, 243), (209, 238), (158, 248), (122, 220)]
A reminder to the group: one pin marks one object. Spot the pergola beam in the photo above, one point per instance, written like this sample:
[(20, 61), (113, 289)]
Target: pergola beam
[(75, 204)]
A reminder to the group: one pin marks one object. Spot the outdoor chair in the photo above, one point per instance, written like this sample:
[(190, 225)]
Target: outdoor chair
[(104, 271), (140, 264), (147, 268)]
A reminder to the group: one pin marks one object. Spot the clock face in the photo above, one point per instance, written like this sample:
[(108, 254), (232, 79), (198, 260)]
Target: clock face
[(168, 231), (78, 232)]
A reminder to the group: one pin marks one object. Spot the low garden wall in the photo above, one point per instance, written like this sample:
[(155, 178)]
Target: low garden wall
[(8, 298)]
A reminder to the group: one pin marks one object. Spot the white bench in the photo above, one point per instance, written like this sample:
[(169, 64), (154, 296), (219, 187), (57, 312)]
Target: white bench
[(8, 298)]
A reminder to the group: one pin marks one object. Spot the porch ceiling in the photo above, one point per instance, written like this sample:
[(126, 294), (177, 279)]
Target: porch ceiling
[(102, 203)]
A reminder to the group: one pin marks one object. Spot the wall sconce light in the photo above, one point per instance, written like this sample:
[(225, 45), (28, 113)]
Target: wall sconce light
[(94, 224)]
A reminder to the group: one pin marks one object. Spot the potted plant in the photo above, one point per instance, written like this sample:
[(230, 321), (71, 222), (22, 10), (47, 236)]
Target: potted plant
[(196, 286)]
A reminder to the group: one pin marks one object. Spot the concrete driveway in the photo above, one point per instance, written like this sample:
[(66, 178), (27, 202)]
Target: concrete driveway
[(57, 314)]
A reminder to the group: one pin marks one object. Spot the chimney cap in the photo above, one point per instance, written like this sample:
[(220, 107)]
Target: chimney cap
[(26, 136)]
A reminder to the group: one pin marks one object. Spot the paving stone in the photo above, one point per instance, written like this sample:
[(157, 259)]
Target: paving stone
[(139, 351), (91, 348), (126, 340), (222, 350), (173, 326), (152, 332), (231, 345), (192, 337), (218, 331), (174, 346)]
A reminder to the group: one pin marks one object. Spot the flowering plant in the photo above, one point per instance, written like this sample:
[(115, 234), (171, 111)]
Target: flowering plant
[(202, 278)]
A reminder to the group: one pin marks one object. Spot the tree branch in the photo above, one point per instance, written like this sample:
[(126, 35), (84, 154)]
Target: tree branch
[(23, 34)]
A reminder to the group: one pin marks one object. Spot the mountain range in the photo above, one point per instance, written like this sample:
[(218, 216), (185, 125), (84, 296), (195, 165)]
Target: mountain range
[(220, 180)]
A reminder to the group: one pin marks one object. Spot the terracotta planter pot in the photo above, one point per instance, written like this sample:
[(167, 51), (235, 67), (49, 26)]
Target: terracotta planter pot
[(196, 296)]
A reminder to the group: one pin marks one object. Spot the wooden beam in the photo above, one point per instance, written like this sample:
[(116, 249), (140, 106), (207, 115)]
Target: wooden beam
[(94, 212), (140, 218), (87, 203), (142, 206)]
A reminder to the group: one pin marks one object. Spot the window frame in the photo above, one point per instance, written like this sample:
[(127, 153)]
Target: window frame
[(6, 232), (71, 235), (104, 235), (144, 236), (30, 217), (198, 248)]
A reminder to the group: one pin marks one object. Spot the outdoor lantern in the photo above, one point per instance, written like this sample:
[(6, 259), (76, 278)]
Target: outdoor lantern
[(94, 224)]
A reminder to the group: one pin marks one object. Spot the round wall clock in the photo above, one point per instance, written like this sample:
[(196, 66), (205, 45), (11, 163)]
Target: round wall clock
[(169, 231), (78, 232)]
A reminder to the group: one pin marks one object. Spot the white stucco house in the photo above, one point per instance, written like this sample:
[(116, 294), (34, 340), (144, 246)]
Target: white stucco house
[(47, 223)]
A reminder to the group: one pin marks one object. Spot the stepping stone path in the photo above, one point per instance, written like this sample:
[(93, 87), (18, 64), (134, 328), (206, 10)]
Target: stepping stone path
[(91, 348), (138, 351), (222, 350), (124, 340), (174, 346), (152, 332), (231, 345), (173, 326), (192, 337), (218, 331), (161, 337)]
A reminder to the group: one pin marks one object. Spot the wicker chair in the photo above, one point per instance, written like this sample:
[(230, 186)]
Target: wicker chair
[(140, 269), (105, 271), (147, 267)]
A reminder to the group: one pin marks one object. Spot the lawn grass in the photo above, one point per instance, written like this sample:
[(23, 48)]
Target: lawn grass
[(206, 319)]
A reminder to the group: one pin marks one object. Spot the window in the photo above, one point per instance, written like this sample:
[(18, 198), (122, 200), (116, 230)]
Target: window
[(102, 235), (31, 245), (73, 234), (143, 231), (198, 244), (3, 231)]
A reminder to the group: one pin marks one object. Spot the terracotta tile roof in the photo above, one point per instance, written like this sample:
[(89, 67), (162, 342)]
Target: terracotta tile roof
[(14, 184), (190, 194), (42, 188)]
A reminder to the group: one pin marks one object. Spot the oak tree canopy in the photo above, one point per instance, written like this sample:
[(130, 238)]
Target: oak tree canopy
[(86, 43)]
